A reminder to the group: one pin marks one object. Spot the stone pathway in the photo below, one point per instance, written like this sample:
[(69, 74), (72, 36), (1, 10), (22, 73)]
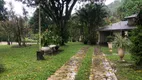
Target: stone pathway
[(69, 70), (101, 69)]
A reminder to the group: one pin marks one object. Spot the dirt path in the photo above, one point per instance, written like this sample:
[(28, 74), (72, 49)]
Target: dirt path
[(101, 69), (69, 70)]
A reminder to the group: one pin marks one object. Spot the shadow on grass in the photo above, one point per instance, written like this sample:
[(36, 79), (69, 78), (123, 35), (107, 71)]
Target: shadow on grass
[(55, 52), (2, 69), (129, 64)]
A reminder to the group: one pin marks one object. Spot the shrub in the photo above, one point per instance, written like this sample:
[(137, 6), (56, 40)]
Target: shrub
[(109, 38), (120, 42), (49, 38), (136, 38)]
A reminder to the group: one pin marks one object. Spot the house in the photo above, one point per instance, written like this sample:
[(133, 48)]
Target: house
[(121, 27)]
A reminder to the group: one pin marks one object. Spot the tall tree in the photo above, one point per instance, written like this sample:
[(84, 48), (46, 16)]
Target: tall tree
[(6, 29), (129, 7), (25, 26), (2, 10), (92, 15)]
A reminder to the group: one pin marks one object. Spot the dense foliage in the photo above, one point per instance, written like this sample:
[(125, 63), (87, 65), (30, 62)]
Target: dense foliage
[(59, 11), (49, 37), (91, 17), (2, 10), (109, 38), (136, 50), (136, 38), (121, 42), (129, 7)]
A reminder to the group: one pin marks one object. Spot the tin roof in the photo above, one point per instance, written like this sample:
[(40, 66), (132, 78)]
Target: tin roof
[(122, 25), (132, 16)]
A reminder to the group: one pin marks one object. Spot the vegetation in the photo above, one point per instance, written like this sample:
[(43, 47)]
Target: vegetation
[(120, 42), (110, 38), (58, 27), (125, 70), (136, 38), (91, 18), (2, 10), (49, 38), (123, 8), (129, 7), (2, 17), (84, 70), (59, 12), (14, 28), (21, 63)]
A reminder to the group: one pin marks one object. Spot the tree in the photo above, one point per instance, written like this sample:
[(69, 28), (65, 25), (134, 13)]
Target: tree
[(129, 7), (92, 15), (5, 24), (75, 28), (136, 38), (46, 21), (59, 11), (2, 10), (25, 26), (6, 30)]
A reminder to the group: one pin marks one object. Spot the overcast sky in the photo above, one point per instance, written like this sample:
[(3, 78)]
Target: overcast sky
[(18, 6)]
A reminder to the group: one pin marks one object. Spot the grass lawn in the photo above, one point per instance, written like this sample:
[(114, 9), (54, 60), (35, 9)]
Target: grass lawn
[(21, 63), (84, 71), (125, 70)]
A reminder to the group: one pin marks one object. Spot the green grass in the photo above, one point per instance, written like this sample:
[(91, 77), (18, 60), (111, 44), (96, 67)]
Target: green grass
[(125, 70), (21, 63), (106, 50), (84, 70)]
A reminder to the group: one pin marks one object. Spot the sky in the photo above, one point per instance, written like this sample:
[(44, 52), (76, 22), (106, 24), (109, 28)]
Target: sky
[(18, 7)]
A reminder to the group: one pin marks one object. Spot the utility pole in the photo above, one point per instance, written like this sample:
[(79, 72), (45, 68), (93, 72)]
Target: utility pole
[(39, 43)]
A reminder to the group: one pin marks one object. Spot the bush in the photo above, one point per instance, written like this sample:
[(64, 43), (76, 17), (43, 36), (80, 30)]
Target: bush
[(121, 42), (50, 38), (109, 38), (136, 38)]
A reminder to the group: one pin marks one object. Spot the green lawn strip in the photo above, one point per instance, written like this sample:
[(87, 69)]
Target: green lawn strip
[(21, 63), (125, 70), (106, 50), (84, 70)]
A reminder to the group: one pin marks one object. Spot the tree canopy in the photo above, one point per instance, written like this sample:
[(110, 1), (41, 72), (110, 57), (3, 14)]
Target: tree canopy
[(129, 7), (2, 10), (59, 11)]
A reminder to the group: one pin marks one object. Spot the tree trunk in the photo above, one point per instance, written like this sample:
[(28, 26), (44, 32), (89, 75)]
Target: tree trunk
[(40, 55), (19, 40), (8, 40), (24, 43), (63, 32)]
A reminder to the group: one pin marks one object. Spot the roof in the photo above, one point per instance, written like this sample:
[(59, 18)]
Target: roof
[(122, 25), (132, 16)]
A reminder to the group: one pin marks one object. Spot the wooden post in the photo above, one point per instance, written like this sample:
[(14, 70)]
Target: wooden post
[(39, 43), (39, 52), (40, 55)]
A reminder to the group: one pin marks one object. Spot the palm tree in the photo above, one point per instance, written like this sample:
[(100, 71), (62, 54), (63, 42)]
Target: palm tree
[(92, 16)]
